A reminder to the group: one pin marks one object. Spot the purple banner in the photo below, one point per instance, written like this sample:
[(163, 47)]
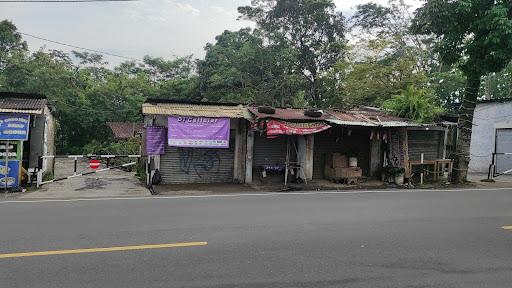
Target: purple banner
[(155, 140), (200, 132)]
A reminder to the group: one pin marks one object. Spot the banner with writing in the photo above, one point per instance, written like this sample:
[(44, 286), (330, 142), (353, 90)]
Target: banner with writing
[(155, 140), (199, 132)]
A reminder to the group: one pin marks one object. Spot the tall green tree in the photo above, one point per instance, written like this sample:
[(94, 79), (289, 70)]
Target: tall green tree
[(372, 78), (239, 67), (389, 26), (384, 57), (11, 42), (86, 91), (475, 35), (312, 28)]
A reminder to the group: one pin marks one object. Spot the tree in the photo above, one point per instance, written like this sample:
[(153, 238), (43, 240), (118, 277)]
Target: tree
[(385, 57), (10, 42), (373, 78), (389, 26), (239, 67), (86, 91), (498, 85), (478, 42), (311, 27), (162, 69)]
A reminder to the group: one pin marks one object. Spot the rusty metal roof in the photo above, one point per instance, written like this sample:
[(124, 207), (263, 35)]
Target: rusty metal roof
[(196, 110), (125, 130), (22, 103), (369, 117), (365, 116), (289, 114)]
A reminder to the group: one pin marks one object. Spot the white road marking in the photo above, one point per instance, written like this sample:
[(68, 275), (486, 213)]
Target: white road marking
[(253, 194)]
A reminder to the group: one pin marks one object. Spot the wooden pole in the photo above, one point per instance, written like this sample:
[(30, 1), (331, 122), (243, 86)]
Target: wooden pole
[(249, 156)]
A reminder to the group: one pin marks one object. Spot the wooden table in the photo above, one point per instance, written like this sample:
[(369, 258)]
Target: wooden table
[(440, 164), (437, 163), (419, 163)]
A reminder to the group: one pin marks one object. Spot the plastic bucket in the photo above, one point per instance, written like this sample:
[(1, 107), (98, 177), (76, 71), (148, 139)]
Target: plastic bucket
[(352, 162)]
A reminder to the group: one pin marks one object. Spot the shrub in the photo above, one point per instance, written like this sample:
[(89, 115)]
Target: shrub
[(418, 105)]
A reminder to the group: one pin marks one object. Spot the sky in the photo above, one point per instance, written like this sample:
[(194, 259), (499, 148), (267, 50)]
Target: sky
[(160, 28)]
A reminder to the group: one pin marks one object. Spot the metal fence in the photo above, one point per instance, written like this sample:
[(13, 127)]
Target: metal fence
[(107, 159), (501, 164)]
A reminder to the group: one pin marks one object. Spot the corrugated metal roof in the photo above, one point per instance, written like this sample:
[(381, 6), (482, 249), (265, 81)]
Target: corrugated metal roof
[(125, 130), (196, 110), (370, 118), (22, 105), (286, 114), (367, 116), (21, 111)]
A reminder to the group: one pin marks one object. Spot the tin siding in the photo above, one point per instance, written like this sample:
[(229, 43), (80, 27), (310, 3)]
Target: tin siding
[(426, 142), (269, 151), (198, 165)]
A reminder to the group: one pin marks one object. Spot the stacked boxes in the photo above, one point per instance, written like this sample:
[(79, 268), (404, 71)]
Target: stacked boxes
[(336, 167)]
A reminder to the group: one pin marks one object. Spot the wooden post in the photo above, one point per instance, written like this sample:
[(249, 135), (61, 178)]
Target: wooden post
[(310, 143), (249, 156), (287, 160), (238, 153), (406, 153), (375, 156), (445, 141)]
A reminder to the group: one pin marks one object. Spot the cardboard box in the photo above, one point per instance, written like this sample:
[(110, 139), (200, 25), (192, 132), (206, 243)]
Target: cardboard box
[(348, 172), (339, 160)]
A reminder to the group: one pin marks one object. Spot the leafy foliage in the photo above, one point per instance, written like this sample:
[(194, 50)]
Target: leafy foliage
[(416, 104), (121, 147), (296, 55), (481, 39), (478, 43), (11, 42), (312, 28), (89, 93)]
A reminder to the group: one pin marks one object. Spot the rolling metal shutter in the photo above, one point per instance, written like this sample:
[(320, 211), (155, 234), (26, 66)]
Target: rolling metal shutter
[(198, 165), (426, 142), (269, 151), (503, 145)]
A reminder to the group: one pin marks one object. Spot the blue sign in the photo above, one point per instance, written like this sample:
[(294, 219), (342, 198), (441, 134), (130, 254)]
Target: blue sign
[(14, 127), (13, 174)]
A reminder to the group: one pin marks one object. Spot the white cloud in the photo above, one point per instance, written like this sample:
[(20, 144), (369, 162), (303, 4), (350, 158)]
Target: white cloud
[(189, 9)]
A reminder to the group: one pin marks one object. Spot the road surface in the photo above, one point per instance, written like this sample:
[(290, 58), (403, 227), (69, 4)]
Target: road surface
[(402, 239)]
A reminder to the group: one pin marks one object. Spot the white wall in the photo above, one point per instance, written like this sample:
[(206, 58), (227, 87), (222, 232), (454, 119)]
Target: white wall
[(488, 117)]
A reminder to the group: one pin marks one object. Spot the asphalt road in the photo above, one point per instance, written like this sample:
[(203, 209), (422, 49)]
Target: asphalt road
[(410, 239)]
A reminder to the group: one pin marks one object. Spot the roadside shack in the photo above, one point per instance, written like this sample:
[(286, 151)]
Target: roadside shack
[(27, 131), (195, 142)]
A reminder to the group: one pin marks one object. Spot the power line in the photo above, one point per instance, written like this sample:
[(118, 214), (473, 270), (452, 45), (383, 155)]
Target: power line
[(61, 1), (82, 48)]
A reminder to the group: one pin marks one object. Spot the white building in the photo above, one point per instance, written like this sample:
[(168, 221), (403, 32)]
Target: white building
[(492, 133)]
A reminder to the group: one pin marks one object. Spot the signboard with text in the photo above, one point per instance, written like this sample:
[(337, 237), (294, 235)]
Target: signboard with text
[(155, 140), (198, 132), (14, 127), (9, 174)]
